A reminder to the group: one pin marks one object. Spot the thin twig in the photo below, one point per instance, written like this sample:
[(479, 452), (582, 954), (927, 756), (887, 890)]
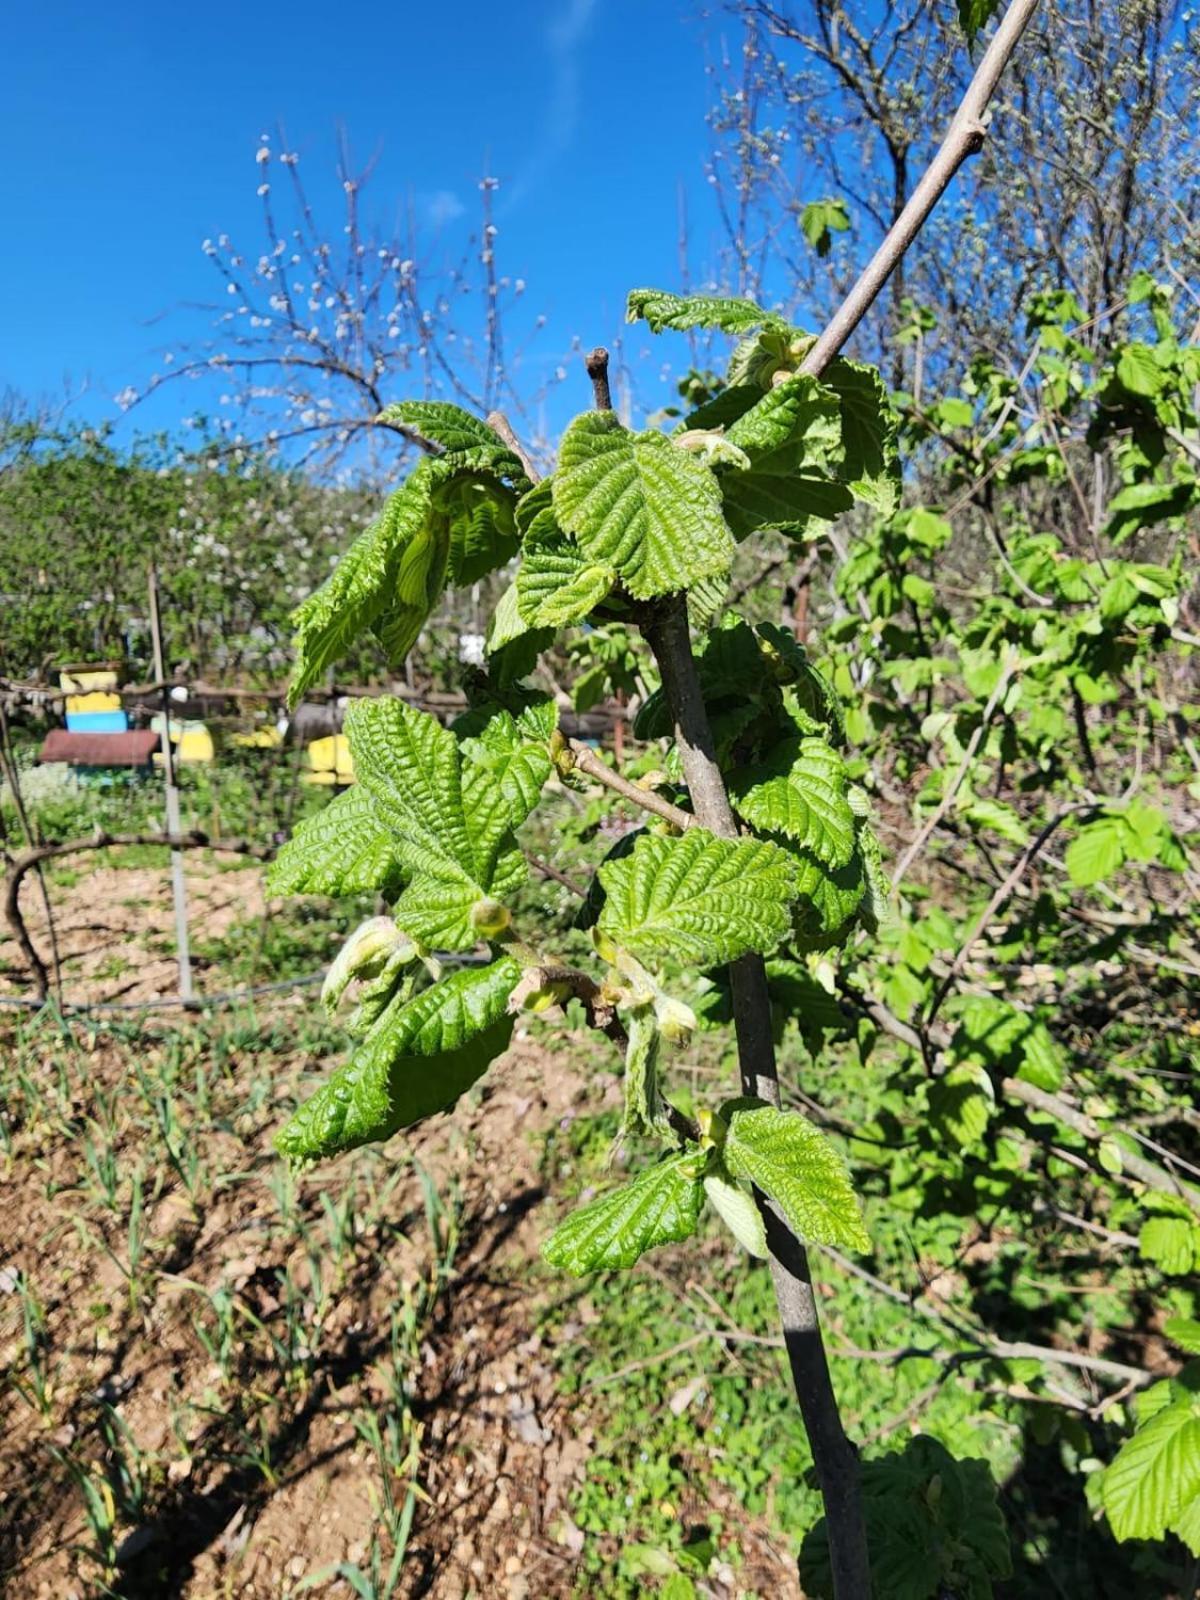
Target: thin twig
[(584, 759)]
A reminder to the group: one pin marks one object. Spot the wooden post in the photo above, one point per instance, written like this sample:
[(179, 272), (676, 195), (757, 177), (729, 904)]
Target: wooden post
[(178, 886)]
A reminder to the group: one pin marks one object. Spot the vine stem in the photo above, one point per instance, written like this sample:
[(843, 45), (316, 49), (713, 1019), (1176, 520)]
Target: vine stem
[(834, 1457)]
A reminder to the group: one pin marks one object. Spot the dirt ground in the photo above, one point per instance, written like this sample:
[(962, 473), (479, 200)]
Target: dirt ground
[(502, 1449)]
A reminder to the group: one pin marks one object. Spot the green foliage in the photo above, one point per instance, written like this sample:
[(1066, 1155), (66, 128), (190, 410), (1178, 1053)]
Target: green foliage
[(660, 1206), (663, 311), (419, 1057), (637, 503), (933, 1526), (973, 15), (696, 899), (450, 821), (820, 220), (1153, 1485), (1017, 676), (790, 1160)]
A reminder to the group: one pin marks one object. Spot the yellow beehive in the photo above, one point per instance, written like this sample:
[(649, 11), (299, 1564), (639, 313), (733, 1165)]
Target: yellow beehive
[(195, 743), (96, 701), (330, 760), (83, 680), (258, 739)]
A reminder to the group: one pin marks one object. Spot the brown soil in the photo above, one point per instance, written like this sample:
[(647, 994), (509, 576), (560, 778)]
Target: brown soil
[(502, 1450)]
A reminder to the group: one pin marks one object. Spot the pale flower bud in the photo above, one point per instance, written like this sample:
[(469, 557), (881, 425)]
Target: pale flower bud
[(364, 955)]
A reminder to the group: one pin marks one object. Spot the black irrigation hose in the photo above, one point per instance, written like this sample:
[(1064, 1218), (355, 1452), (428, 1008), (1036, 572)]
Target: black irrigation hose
[(197, 1003), (203, 1002)]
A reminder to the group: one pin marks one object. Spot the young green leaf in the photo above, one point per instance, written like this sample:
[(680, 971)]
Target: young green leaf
[(871, 463), (659, 1206), (343, 849), (1155, 1476), (798, 1167), (1096, 851), (801, 792), (447, 425), (513, 750), (697, 899), (417, 1059), (737, 1210), (637, 503), (643, 1105), (661, 311), (451, 824), (557, 584), (974, 15)]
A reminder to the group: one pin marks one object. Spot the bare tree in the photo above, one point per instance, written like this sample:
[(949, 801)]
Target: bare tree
[(322, 322), (820, 98)]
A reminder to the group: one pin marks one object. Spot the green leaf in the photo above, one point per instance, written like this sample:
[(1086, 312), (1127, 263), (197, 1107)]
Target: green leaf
[(637, 503), (974, 15), (1184, 1332), (447, 425), (659, 1206), (343, 849), (1140, 505), (557, 584), (643, 1107), (793, 1162), (796, 412), (739, 1213), (871, 464), (799, 791), (789, 501), (451, 823), (417, 1059), (1155, 1475), (1170, 1242), (513, 750), (1096, 851), (791, 435), (827, 900), (392, 576), (961, 1104), (820, 220), (696, 899), (661, 311), (1138, 372), (359, 588)]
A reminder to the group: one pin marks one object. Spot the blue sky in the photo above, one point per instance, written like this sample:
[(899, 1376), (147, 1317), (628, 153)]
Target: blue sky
[(130, 133)]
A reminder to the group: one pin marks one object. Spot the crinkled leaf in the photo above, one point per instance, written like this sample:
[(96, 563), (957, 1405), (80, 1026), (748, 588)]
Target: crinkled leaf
[(446, 424), (871, 462), (451, 824), (557, 584), (515, 752), (697, 899), (799, 791), (418, 1059), (643, 1106), (343, 849), (798, 1166), (659, 1206), (637, 503), (661, 310), (359, 588), (798, 411), (828, 899)]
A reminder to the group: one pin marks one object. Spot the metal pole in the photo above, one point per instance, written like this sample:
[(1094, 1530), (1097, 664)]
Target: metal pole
[(178, 886)]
